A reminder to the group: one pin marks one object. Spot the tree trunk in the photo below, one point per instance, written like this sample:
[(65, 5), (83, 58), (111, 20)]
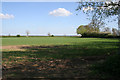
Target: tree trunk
[(119, 28)]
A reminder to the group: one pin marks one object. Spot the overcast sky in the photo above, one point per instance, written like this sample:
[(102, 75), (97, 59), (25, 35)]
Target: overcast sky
[(42, 17)]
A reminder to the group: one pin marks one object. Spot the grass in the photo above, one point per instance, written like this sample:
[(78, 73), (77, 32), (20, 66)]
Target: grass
[(110, 68), (50, 40), (61, 47), (58, 57)]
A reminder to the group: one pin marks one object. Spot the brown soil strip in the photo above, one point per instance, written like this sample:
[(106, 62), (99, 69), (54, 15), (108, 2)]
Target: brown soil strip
[(14, 47)]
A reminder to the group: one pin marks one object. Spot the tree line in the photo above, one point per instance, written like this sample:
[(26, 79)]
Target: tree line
[(94, 31)]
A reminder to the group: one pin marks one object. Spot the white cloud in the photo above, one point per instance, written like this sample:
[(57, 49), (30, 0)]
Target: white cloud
[(6, 16), (88, 8), (60, 12)]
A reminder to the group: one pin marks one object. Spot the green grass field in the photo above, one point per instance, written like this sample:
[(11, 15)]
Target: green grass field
[(52, 40), (56, 57)]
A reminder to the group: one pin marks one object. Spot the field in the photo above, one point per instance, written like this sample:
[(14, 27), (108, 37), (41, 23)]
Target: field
[(54, 57)]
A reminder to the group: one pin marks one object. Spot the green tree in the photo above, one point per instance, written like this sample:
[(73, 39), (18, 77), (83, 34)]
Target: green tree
[(99, 11), (18, 35), (81, 30), (87, 29)]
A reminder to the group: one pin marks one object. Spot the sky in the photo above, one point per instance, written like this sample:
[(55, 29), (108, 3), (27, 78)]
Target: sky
[(41, 18)]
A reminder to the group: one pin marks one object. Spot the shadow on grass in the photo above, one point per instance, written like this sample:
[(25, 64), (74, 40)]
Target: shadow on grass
[(110, 68), (59, 61)]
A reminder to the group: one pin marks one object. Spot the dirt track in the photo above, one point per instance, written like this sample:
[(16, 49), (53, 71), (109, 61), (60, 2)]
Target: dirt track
[(14, 47)]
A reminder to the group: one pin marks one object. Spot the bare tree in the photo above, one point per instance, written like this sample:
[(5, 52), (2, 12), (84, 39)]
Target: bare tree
[(9, 34), (107, 30), (115, 31), (49, 34), (27, 33)]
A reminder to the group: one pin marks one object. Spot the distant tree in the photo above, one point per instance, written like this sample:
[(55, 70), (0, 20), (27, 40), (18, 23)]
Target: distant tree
[(101, 10), (107, 30), (9, 35), (81, 29), (27, 33), (18, 35), (94, 27), (115, 32), (52, 35), (87, 29), (96, 23), (49, 34), (64, 35)]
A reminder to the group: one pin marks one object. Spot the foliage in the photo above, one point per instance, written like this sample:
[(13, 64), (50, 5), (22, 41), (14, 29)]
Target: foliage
[(99, 11), (87, 29), (81, 29), (97, 35), (102, 7)]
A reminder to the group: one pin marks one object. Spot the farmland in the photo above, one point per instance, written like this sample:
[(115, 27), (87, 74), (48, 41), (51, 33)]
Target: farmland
[(51, 40), (54, 57)]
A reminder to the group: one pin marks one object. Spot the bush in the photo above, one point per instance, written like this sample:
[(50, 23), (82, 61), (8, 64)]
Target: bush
[(98, 35), (93, 35), (18, 36), (52, 35)]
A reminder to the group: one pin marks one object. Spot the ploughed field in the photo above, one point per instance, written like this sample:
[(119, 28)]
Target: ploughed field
[(54, 57)]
